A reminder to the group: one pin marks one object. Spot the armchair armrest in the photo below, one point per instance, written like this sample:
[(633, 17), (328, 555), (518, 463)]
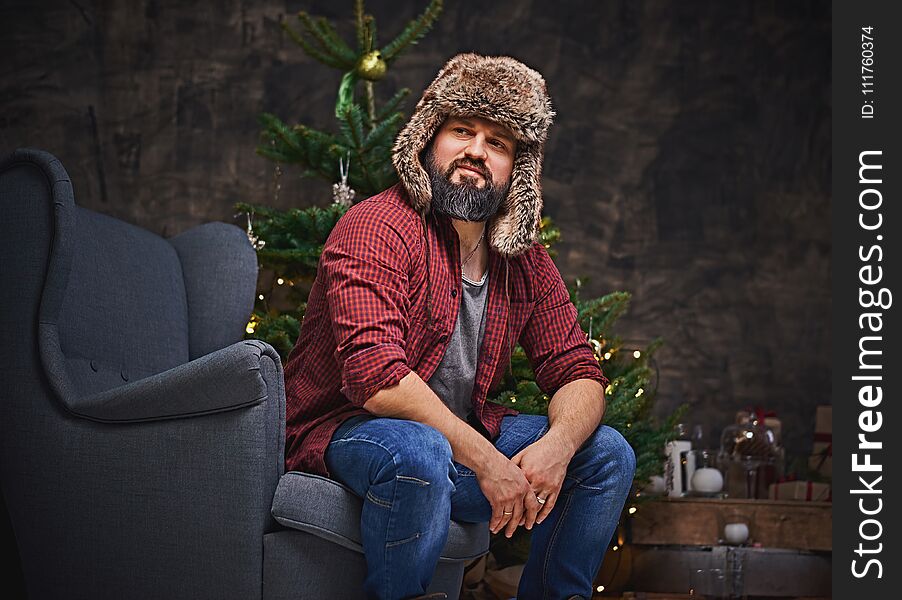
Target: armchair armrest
[(224, 380)]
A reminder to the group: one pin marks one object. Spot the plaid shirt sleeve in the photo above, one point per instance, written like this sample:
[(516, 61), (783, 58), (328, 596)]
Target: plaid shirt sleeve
[(554, 342), (365, 262)]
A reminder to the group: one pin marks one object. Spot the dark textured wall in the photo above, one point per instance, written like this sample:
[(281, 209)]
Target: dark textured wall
[(689, 163)]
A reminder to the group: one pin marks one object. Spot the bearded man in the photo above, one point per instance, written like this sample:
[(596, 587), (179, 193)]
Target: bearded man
[(422, 293)]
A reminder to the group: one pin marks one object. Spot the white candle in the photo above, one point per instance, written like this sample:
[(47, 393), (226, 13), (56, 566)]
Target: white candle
[(707, 480)]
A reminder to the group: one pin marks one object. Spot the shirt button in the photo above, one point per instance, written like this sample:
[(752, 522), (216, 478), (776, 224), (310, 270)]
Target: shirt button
[(454, 293)]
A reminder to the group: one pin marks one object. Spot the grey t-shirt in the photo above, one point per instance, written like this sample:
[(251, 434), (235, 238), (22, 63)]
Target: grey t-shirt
[(454, 377)]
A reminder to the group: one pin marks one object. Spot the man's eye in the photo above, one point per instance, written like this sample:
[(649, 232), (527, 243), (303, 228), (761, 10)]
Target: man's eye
[(498, 144)]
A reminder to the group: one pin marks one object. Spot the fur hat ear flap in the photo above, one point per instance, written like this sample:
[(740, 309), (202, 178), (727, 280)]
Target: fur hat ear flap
[(412, 140), (516, 227)]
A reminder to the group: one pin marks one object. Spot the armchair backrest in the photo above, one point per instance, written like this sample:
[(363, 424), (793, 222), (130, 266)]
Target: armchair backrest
[(86, 302), (120, 303), (124, 314)]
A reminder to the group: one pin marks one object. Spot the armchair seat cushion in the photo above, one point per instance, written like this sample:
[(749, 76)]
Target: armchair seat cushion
[(330, 510)]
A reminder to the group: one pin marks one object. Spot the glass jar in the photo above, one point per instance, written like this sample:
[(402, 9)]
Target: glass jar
[(751, 457), (752, 438)]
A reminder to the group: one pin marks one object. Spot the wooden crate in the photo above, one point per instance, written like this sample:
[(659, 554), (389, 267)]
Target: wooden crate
[(765, 572), (699, 522)]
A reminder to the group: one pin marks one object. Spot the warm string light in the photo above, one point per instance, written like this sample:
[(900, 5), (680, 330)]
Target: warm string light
[(598, 346), (276, 176)]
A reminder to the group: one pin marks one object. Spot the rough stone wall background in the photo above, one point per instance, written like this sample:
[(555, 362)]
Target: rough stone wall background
[(689, 163)]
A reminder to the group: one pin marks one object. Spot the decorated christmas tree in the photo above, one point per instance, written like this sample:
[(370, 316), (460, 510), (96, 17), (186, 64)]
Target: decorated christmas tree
[(358, 157)]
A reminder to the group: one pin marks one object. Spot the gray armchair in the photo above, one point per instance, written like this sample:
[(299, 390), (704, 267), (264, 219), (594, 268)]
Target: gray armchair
[(142, 439)]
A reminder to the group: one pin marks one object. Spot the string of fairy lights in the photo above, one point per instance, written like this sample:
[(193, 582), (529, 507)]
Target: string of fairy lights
[(254, 319)]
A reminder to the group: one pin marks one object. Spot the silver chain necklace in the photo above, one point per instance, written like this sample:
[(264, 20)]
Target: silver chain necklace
[(466, 260)]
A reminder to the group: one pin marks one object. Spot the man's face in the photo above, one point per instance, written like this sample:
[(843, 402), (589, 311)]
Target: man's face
[(469, 163)]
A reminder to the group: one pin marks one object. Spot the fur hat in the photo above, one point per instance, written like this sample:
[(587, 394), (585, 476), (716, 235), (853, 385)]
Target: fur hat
[(502, 90)]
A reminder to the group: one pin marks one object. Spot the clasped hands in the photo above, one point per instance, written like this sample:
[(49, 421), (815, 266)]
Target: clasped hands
[(523, 490)]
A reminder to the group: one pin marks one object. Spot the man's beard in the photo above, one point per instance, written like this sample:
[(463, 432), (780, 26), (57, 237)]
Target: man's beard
[(464, 200)]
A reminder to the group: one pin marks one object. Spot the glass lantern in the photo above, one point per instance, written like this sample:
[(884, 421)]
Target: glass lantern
[(753, 449)]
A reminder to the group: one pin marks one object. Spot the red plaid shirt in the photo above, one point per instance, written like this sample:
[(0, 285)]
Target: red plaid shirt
[(366, 323)]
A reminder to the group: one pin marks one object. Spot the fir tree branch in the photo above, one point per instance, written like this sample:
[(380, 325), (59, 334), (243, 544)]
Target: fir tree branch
[(310, 50), (393, 104), (279, 142), (359, 26), (370, 102), (382, 133), (414, 31), (337, 45), (317, 30), (369, 31), (351, 125), (298, 145), (607, 309)]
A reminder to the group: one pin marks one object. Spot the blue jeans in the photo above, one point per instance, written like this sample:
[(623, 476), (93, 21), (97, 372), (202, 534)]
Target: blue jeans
[(411, 488)]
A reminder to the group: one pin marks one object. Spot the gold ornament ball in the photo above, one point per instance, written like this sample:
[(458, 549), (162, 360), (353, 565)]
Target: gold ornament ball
[(371, 66)]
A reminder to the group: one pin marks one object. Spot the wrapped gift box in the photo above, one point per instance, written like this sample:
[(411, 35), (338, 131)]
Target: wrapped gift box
[(821, 459), (800, 490)]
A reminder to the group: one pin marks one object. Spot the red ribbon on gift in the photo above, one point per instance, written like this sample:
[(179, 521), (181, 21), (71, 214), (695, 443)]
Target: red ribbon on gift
[(759, 413), (763, 414)]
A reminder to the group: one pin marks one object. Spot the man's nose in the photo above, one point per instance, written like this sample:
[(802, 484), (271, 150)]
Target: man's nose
[(476, 148)]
